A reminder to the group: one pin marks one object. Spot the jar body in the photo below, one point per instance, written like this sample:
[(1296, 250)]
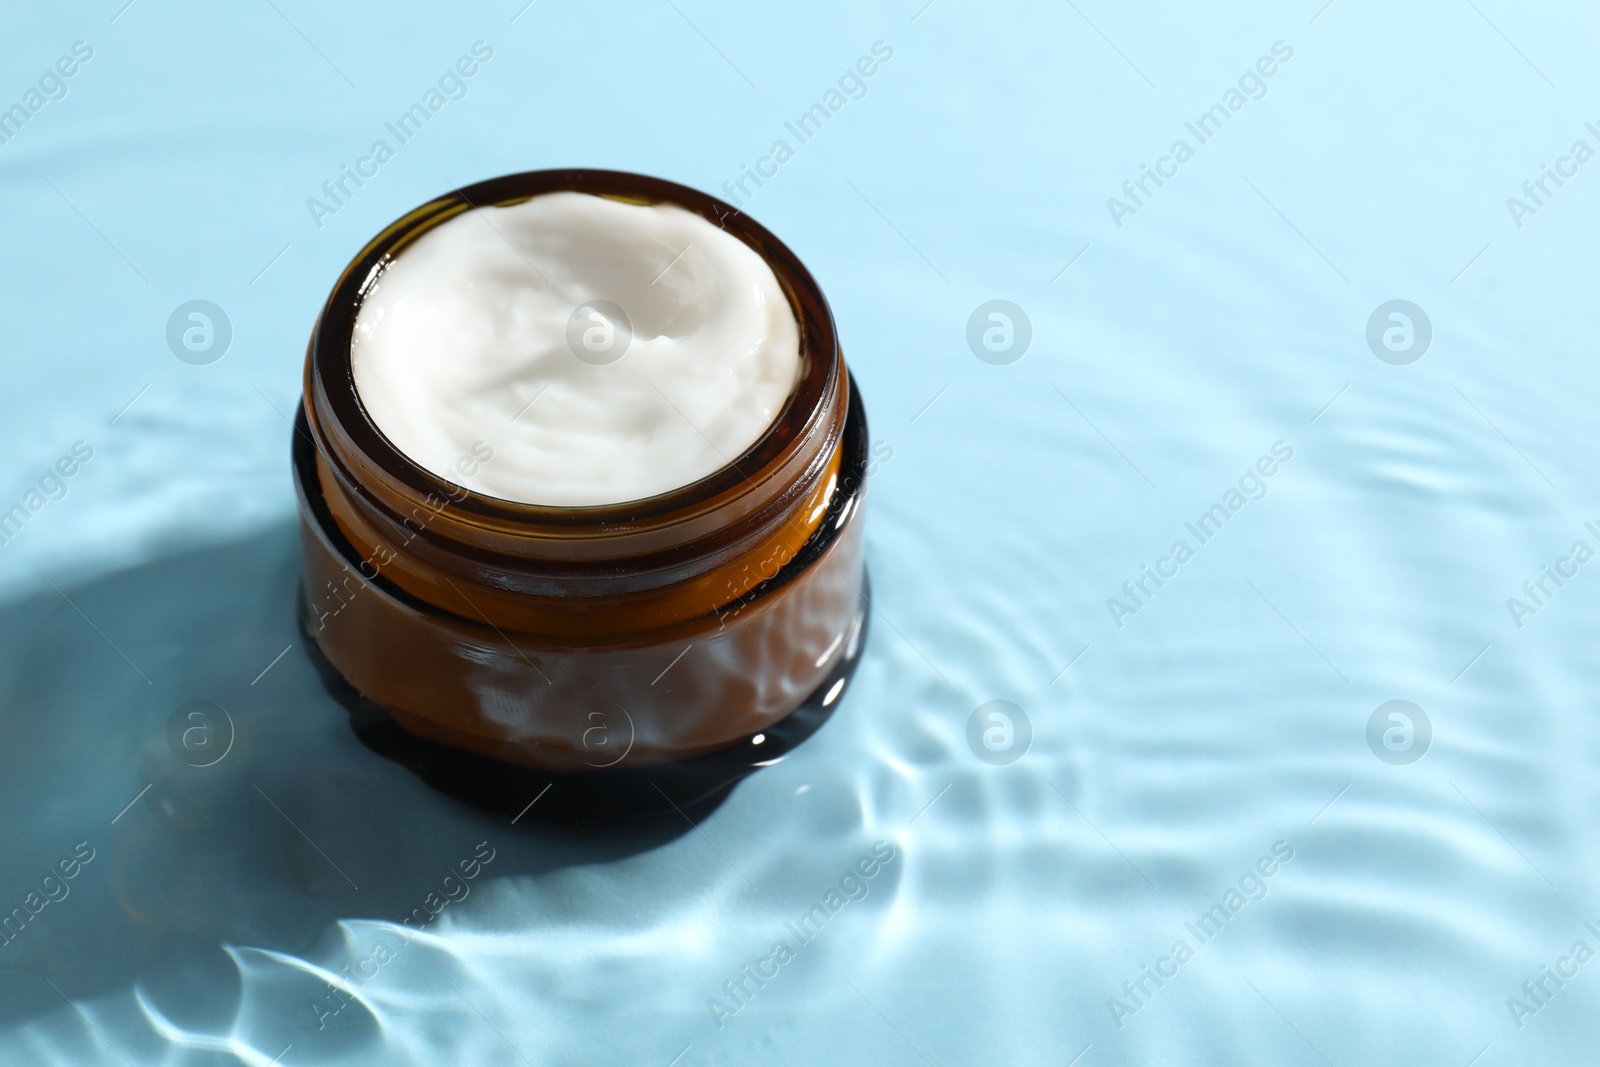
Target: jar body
[(675, 693), (585, 639)]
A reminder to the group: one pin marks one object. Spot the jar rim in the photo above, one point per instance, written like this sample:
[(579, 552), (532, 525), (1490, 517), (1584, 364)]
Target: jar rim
[(330, 376)]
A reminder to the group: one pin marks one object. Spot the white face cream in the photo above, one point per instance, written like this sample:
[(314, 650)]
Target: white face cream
[(502, 326)]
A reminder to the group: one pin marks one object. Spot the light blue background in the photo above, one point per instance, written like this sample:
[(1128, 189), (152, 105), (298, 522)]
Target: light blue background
[(1225, 716)]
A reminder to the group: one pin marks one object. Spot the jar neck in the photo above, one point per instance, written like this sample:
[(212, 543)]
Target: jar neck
[(656, 570)]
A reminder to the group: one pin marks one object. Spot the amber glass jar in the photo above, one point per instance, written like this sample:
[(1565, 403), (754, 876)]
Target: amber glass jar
[(585, 639)]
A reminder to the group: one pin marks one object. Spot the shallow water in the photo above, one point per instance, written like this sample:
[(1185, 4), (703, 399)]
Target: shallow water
[(1228, 714)]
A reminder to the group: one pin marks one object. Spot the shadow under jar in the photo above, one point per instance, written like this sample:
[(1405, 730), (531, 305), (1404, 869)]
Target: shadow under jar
[(662, 647)]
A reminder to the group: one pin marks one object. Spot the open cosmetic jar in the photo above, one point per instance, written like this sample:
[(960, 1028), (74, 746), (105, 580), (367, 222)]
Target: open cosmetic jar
[(665, 644)]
